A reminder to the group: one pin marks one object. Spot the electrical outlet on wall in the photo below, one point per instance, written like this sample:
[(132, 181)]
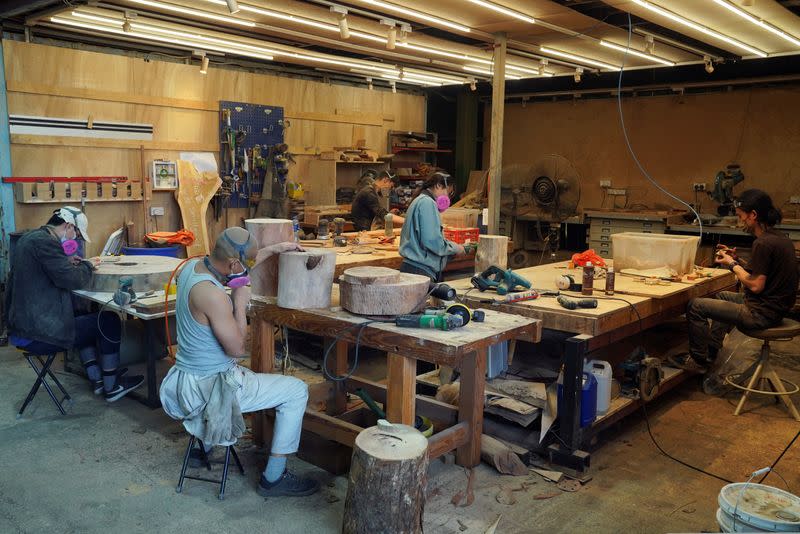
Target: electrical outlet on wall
[(605, 183), (617, 192), (699, 186), (156, 210)]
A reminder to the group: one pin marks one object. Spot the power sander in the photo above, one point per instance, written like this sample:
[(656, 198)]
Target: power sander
[(125, 294), (501, 280)]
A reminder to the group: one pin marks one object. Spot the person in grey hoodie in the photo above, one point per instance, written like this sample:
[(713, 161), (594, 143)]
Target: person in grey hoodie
[(422, 244)]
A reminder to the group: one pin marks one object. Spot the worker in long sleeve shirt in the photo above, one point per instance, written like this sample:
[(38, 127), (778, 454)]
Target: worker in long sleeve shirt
[(366, 209), (422, 244)]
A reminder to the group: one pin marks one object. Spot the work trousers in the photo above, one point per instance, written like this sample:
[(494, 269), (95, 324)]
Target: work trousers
[(90, 330), (288, 395), (725, 310)]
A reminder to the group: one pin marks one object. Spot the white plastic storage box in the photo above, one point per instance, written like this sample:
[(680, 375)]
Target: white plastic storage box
[(635, 250)]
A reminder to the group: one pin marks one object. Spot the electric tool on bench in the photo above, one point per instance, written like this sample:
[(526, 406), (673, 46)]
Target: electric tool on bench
[(461, 310), (446, 321), (501, 280)]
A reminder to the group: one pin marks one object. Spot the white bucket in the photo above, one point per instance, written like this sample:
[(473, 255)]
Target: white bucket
[(603, 373), (760, 509)]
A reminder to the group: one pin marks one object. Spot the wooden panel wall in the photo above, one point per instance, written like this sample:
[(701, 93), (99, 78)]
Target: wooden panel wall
[(679, 140), (182, 105)]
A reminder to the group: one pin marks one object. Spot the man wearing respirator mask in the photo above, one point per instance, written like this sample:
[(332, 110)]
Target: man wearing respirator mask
[(206, 389), (422, 244), (44, 271)]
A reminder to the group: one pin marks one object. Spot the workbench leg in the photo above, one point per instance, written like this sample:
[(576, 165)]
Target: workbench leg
[(401, 389), (262, 360), (153, 400), (568, 452), (337, 366), (470, 406)]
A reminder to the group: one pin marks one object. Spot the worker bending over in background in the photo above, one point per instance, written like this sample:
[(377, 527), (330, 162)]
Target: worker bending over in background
[(422, 244), (206, 389), (41, 319), (366, 209), (770, 282)]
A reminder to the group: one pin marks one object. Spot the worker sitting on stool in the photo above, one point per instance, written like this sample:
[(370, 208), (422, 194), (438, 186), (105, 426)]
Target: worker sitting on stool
[(423, 247), (366, 209), (41, 320), (212, 328), (770, 282)]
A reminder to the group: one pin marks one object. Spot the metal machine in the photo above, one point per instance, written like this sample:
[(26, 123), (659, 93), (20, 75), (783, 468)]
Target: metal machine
[(535, 200), (723, 189)]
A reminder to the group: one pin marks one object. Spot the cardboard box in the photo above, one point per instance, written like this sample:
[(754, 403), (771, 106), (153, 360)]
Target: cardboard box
[(460, 217)]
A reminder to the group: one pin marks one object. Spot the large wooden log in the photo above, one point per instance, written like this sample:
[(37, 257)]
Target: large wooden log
[(492, 250), (264, 276), (305, 279), (148, 272), (381, 291), (386, 484)]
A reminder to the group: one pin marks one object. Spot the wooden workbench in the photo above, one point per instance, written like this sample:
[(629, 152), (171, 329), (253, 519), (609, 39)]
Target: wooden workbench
[(611, 321), (385, 256), (465, 349)]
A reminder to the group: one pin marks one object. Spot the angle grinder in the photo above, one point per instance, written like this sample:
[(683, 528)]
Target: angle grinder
[(459, 310)]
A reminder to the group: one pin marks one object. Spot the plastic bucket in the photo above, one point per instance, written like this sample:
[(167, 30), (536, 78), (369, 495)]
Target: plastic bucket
[(760, 509), (603, 373), (171, 252)]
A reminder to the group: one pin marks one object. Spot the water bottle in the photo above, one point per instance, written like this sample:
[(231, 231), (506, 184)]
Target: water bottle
[(296, 228)]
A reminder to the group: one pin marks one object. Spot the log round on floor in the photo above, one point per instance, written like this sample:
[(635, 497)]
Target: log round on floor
[(386, 484), (264, 277)]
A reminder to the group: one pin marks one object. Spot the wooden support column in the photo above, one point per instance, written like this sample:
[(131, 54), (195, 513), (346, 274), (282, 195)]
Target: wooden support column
[(470, 406), (262, 360), (402, 386), (496, 136)]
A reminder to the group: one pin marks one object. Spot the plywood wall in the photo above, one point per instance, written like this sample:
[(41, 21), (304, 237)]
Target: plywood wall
[(182, 105), (679, 140)]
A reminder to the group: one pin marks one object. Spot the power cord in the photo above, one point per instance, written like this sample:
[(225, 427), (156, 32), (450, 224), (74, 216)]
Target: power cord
[(99, 328), (628, 141)]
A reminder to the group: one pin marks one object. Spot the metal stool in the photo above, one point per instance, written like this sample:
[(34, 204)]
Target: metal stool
[(42, 372), (762, 368), (229, 450)]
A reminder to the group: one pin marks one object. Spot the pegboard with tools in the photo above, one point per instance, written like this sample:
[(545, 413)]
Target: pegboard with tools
[(249, 134)]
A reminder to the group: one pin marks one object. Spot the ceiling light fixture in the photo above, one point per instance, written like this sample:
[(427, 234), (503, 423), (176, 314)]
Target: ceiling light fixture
[(472, 84), (579, 59), (649, 44), (416, 14), (758, 22), (369, 84), (489, 73), (195, 13), (699, 27), (391, 35), (394, 86), (405, 29), (708, 64), (578, 74), (671, 42), (504, 10), (233, 6), (542, 64), (341, 17), (203, 63), (637, 53)]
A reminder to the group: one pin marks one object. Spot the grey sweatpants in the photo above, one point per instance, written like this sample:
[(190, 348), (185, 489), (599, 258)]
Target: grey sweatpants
[(725, 310)]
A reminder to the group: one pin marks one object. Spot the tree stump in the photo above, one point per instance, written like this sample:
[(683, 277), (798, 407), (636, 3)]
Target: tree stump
[(492, 250), (386, 489), (381, 291), (264, 277), (305, 279)]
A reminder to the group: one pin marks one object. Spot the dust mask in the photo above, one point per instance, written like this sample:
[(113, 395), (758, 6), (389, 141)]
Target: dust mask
[(442, 202)]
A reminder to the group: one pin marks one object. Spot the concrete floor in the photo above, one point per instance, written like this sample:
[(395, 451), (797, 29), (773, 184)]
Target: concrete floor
[(106, 468)]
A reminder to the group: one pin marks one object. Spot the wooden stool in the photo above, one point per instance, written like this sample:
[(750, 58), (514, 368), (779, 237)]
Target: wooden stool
[(785, 331)]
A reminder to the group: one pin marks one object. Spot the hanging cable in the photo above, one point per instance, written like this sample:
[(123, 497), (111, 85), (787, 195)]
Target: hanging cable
[(628, 142)]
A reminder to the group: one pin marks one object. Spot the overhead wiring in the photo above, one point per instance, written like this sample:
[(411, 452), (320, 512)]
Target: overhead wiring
[(628, 141)]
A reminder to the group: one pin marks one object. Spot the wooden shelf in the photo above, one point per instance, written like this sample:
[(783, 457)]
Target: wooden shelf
[(398, 149)]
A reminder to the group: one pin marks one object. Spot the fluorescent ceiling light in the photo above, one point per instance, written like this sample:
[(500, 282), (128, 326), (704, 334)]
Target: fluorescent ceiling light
[(579, 59), (672, 42), (155, 37), (758, 22), (635, 52), (504, 10), (416, 14), (699, 27), (489, 73), (195, 12)]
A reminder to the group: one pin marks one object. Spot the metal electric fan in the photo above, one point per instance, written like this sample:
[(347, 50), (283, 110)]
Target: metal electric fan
[(535, 200)]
